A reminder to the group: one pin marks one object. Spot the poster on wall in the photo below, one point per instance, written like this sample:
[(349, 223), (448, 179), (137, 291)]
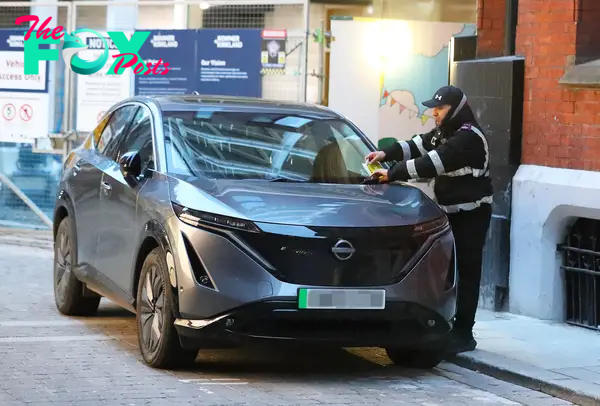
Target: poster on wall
[(273, 53), (229, 62), (178, 49), (97, 92), (382, 70), (423, 69), (24, 99)]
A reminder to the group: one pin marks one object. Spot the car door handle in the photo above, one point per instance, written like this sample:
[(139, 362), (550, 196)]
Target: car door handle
[(106, 187)]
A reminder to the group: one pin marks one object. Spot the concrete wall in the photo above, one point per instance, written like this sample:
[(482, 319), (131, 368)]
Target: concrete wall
[(546, 201)]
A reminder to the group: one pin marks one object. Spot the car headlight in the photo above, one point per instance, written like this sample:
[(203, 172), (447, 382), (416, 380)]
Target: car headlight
[(422, 231), (198, 218)]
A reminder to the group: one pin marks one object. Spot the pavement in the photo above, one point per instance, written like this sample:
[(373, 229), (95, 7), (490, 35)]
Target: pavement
[(50, 359), (551, 357)]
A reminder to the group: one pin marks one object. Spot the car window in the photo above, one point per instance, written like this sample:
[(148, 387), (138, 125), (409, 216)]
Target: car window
[(139, 138), (115, 129), (261, 145)]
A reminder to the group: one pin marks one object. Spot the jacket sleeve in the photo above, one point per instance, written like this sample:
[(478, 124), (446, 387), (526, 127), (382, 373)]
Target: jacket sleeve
[(418, 146), (458, 152)]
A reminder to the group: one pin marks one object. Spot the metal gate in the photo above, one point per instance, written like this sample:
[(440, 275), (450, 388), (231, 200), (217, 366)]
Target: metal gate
[(581, 267), (31, 163)]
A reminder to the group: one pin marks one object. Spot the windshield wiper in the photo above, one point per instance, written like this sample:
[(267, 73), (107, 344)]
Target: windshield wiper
[(282, 179)]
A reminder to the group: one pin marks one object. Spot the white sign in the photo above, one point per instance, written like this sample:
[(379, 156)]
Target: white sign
[(24, 116), (12, 68), (98, 92)]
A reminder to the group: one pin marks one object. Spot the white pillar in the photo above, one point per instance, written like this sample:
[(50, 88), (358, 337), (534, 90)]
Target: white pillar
[(43, 12), (180, 16), (121, 18)]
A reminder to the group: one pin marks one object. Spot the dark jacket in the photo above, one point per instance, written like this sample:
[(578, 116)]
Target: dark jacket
[(456, 154)]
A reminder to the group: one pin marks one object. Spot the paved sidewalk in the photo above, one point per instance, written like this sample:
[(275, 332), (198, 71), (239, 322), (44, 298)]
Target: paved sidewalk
[(26, 238), (554, 358)]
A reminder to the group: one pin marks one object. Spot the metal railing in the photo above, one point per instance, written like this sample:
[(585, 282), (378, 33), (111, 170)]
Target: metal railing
[(581, 267)]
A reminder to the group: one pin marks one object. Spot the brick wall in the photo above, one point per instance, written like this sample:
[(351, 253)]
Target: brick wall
[(561, 125), (490, 27)]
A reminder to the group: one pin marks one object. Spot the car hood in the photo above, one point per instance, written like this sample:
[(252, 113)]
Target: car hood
[(306, 204)]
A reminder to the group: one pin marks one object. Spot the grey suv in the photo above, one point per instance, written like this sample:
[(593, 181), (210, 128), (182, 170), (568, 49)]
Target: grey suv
[(223, 221)]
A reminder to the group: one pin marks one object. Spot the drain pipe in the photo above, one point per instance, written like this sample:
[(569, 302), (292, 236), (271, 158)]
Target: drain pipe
[(510, 26)]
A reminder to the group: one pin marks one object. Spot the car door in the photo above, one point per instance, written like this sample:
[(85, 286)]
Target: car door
[(119, 239), (84, 190), (105, 150)]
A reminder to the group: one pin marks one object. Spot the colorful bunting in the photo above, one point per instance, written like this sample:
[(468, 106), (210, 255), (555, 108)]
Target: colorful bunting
[(411, 113)]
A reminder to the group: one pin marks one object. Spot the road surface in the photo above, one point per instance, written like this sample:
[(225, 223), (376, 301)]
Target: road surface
[(49, 359)]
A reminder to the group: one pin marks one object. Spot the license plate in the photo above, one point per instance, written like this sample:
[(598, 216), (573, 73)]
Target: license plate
[(350, 299)]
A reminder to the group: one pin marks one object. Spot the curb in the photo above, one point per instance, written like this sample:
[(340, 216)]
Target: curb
[(508, 374), (27, 242), (26, 238)]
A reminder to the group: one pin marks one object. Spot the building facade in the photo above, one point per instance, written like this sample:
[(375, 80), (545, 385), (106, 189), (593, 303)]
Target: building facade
[(558, 181)]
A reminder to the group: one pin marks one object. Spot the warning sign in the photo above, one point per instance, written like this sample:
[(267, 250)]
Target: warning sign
[(273, 54), (25, 116), (26, 112), (9, 111)]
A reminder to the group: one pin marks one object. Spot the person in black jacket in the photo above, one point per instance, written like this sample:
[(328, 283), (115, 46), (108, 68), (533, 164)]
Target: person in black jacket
[(456, 154)]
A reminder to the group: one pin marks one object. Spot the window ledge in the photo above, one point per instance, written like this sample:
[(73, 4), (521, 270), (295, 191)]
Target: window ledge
[(584, 75)]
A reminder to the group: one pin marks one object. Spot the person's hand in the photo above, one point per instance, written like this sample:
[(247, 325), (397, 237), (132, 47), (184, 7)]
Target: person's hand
[(375, 156), (381, 175)]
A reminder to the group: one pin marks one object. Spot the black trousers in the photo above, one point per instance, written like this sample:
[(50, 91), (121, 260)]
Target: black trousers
[(470, 229)]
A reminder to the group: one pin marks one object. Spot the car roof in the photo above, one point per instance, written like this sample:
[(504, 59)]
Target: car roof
[(232, 103)]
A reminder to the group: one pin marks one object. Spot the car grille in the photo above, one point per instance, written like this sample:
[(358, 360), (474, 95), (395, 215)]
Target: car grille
[(379, 259)]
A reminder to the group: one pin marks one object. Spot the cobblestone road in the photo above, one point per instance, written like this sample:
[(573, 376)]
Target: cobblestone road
[(49, 359)]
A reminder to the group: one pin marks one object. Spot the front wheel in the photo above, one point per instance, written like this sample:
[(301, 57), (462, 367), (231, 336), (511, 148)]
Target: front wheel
[(417, 359), (157, 336), (68, 290)]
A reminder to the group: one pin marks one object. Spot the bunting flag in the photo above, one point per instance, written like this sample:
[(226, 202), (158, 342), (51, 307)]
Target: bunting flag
[(411, 113)]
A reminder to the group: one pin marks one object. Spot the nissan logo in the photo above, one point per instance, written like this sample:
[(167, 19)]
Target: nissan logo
[(343, 250)]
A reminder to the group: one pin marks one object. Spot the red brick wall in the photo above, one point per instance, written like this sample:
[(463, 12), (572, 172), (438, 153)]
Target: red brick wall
[(561, 125), (490, 28)]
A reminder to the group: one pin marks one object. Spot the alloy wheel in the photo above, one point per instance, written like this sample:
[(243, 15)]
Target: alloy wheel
[(152, 309), (63, 266)]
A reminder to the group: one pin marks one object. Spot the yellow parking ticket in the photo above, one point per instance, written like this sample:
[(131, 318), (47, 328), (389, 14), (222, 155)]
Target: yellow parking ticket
[(371, 168)]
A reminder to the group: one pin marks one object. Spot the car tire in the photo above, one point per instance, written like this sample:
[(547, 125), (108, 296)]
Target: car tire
[(158, 339), (417, 359), (68, 290)]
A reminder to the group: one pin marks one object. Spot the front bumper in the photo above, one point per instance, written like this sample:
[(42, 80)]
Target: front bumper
[(400, 324), (237, 279)]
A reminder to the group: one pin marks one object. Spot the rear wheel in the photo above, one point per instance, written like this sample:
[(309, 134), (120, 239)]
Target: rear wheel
[(157, 336), (68, 290), (418, 359)]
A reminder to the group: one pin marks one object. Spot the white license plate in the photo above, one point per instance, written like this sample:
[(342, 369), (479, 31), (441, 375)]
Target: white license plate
[(350, 299)]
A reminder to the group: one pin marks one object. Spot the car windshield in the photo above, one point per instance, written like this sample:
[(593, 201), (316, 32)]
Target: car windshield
[(268, 146)]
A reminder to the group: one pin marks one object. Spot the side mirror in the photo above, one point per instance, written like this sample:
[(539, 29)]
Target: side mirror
[(131, 165)]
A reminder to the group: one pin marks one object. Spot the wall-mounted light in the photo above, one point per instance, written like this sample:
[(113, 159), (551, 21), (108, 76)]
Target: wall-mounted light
[(204, 5), (370, 9)]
